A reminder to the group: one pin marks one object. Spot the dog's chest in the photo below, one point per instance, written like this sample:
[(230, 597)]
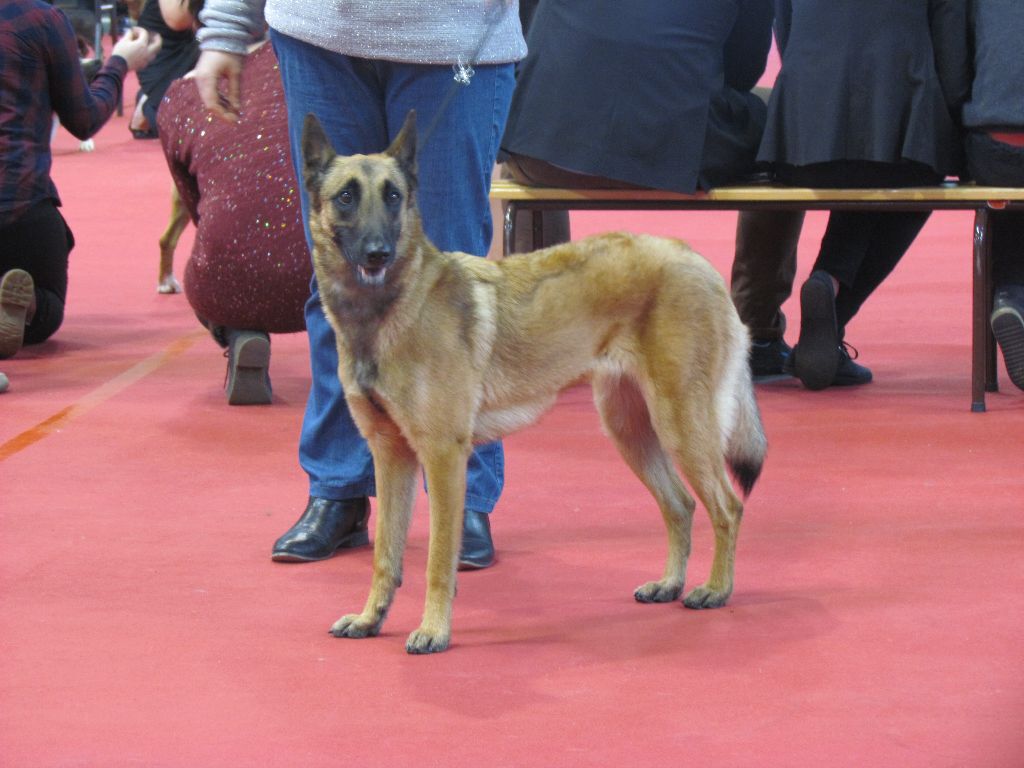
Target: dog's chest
[(365, 370)]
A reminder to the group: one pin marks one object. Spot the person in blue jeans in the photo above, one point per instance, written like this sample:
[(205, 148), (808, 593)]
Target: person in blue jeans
[(360, 67)]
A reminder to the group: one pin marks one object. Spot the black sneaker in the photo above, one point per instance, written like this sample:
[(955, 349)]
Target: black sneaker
[(768, 359), (817, 358), (1008, 327), (849, 373)]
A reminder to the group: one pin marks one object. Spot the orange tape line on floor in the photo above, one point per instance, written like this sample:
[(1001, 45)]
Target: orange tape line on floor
[(102, 393)]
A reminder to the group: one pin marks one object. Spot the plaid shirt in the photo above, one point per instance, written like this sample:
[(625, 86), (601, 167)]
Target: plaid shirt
[(40, 73)]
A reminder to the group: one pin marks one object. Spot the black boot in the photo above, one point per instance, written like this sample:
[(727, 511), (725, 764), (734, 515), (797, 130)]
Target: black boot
[(477, 547), (325, 527)]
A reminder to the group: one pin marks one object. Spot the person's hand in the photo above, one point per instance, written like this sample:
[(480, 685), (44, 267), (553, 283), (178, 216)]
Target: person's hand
[(213, 68), (137, 47)]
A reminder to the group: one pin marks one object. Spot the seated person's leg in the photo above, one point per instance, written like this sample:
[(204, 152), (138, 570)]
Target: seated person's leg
[(1007, 231), (762, 280)]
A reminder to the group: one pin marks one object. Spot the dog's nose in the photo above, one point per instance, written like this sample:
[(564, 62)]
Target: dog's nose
[(377, 257)]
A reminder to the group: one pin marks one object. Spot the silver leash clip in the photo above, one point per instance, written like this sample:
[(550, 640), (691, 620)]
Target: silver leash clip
[(463, 71)]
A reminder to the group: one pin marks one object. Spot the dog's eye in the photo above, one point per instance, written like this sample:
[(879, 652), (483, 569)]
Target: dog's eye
[(392, 196), (348, 195)]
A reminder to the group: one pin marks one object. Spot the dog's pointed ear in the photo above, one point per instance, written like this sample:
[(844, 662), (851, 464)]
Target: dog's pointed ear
[(317, 154), (403, 148)]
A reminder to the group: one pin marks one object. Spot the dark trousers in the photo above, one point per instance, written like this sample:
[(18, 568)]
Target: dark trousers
[(861, 249), (531, 172), (993, 162), (39, 243), (763, 269)]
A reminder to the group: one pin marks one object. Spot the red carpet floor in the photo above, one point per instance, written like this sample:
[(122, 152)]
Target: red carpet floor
[(877, 618)]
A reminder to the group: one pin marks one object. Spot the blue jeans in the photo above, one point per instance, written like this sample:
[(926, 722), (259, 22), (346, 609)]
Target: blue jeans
[(362, 105)]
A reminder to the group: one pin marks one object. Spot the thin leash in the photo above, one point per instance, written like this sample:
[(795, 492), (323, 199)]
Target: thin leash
[(463, 69)]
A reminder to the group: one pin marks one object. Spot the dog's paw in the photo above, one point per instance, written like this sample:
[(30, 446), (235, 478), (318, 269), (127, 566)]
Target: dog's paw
[(87, 146), (705, 597), (658, 592), (168, 284), (422, 641), (354, 625)]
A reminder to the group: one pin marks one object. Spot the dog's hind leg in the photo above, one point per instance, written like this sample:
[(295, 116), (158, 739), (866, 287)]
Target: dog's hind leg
[(712, 486), (627, 421), (396, 469), (687, 428), (445, 466)]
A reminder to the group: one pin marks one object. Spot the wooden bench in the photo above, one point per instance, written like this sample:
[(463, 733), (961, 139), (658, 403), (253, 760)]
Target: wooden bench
[(965, 197)]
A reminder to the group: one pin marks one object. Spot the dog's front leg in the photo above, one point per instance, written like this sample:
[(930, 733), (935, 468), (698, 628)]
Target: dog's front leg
[(395, 468), (446, 489)]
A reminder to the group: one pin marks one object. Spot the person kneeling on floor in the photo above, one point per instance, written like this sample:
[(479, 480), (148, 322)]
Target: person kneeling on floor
[(249, 272), (41, 76)]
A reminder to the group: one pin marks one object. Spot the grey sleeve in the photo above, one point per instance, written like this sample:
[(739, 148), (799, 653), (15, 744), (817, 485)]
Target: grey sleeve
[(231, 25)]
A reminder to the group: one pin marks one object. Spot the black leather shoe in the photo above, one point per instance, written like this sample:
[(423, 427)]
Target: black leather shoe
[(325, 527), (477, 546)]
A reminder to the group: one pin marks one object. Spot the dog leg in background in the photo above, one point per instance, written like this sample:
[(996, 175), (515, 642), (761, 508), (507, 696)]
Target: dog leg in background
[(166, 281), (396, 469), (627, 422)]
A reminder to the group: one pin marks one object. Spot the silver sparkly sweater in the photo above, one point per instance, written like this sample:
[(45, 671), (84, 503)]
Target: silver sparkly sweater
[(411, 31)]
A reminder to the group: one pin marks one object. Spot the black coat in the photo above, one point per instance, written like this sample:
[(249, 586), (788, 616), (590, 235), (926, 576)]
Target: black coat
[(997, 95), (876, 80), (650, 92)]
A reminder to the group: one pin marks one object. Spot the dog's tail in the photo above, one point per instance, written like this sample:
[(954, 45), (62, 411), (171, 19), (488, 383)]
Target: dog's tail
[(743, 433)]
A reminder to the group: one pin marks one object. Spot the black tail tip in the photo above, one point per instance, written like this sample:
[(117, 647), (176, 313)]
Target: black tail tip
[(746, 474)]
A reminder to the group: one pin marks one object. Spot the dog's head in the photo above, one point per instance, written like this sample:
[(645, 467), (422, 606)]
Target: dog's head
[(360, 204)]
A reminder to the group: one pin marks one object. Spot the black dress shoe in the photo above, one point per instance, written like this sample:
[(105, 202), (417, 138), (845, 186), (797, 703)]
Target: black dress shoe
[(477, 546), (325, 527)]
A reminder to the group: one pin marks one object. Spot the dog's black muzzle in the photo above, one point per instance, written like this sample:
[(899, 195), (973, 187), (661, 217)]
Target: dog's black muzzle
[(370, 259), (373, 265)]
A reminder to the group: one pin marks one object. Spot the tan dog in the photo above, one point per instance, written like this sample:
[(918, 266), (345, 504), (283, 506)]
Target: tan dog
[(439, 351)]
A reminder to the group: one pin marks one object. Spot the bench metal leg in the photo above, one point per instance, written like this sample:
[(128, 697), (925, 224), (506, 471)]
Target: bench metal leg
[(537, 223), (510, 227), (983, 348), (110, 8), (536, 227)]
